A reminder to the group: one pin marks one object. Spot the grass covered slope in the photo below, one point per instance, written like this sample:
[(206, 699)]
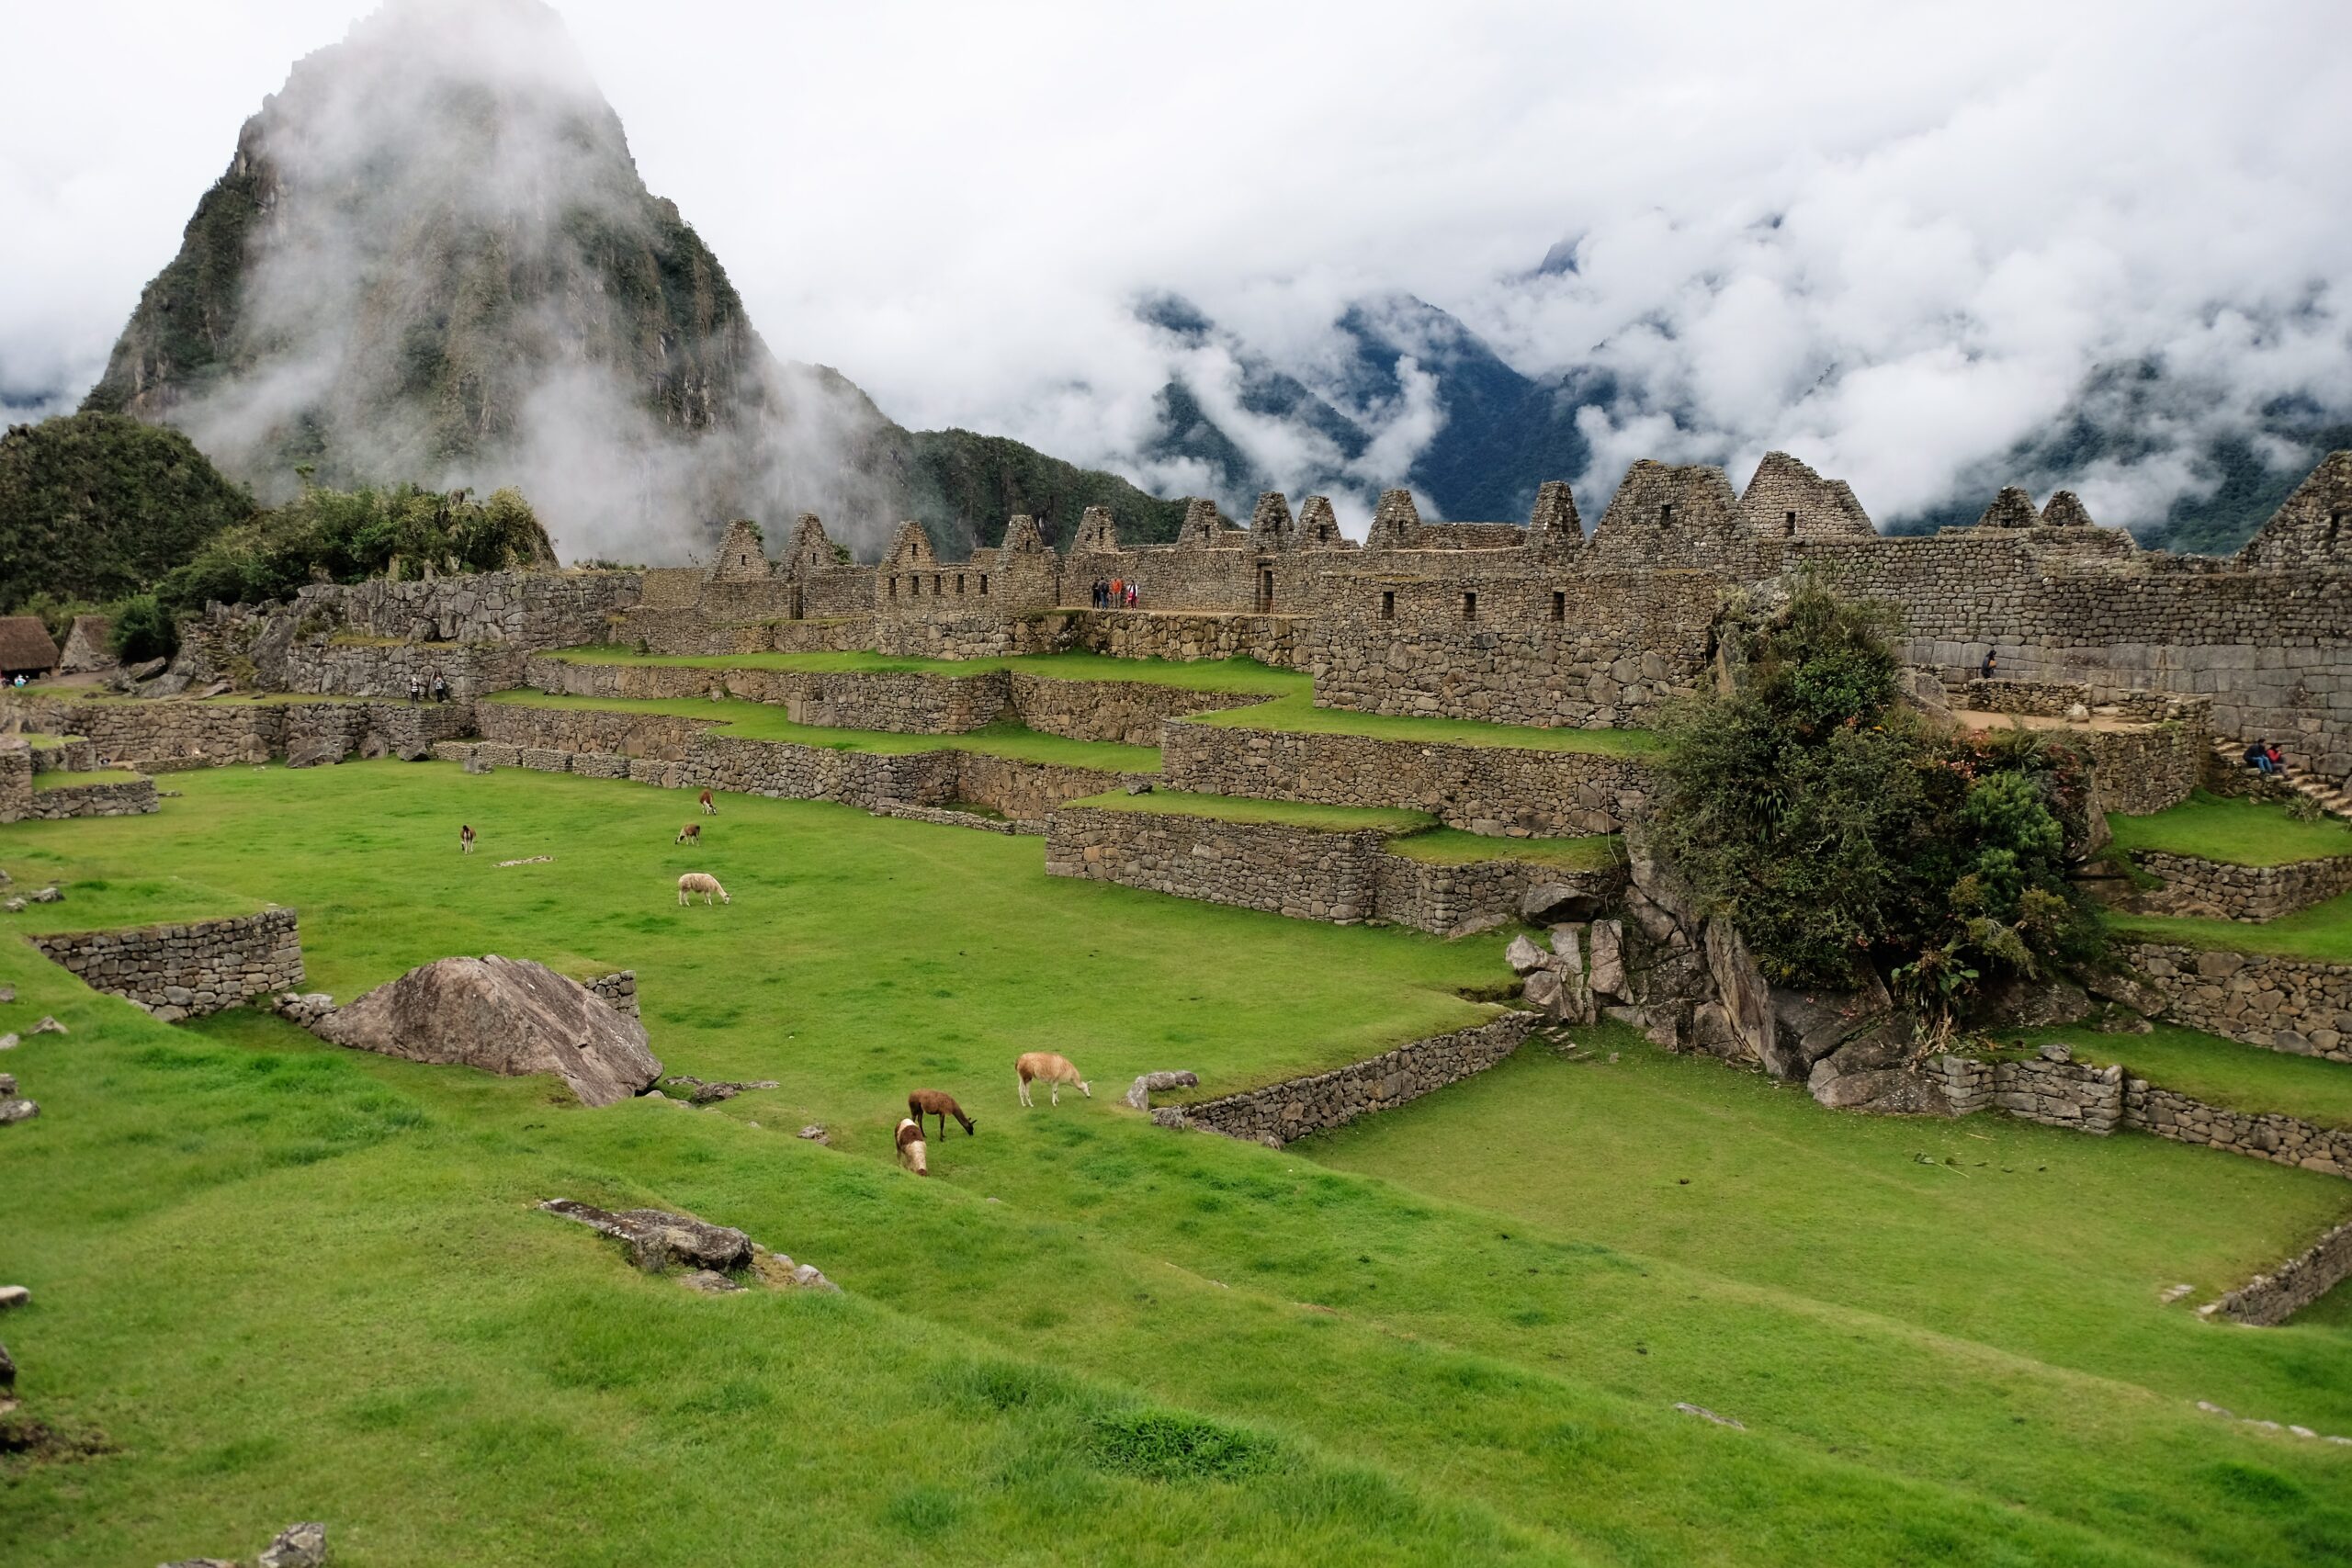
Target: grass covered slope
[(1153, 1349), (2240, 832), (1246, 675), (1298, 712), (1247, 808), (2321, 933), (2220, 1072)]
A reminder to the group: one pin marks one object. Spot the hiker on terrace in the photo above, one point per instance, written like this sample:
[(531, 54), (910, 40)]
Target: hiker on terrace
[(2261, 758), (440, 688), (415, 687)]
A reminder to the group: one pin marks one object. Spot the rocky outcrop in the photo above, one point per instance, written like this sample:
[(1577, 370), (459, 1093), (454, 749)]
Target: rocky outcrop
[(505, 1016), (1139, 1092), (656, 1240)]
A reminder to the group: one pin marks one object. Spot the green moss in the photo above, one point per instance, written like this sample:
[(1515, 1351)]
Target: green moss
[(1290, 813), (2239, 833), (1298, 712)]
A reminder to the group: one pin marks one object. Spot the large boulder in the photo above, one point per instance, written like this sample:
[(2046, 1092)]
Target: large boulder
[(1740, 991), (505, 1016), (657, 1238)]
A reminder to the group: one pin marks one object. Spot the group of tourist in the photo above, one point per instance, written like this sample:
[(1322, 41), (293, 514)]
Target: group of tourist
[(1117, 593), (416, 688), (2264, 758)]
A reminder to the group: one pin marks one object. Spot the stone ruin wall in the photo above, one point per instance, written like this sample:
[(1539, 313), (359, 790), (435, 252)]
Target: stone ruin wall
[(2281, 1004), (70, 755), (16, 779), (2268, 1300), (1498, 790), (120, 798), (162, 733), (1274, 867), (1283, 1113), (185, 971), (1131, 713), (2218, 890)]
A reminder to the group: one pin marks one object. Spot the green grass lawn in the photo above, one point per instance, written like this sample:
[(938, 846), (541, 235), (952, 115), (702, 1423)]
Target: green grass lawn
[(2222, 1072), (764, 721), (292, 1282), (1241, 808), (47, 742), (2321, 933), (1298, 712), (2242, 833), (56, 780), (1244, 676), (1454, 846)]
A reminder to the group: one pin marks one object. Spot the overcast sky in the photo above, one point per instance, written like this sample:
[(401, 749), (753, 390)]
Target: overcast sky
[(1891, 237)]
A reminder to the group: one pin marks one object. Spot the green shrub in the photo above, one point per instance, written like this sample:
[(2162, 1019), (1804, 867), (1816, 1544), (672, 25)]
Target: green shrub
[(142, 630), (1844, 833), (1169, 1445)]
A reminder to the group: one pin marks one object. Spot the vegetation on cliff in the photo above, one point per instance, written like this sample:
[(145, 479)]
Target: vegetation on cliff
[(1845, 832), (94, 506)]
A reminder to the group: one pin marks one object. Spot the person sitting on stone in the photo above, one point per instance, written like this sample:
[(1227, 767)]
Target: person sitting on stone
[(2257, 757), (1990, 666), (2277, 759)]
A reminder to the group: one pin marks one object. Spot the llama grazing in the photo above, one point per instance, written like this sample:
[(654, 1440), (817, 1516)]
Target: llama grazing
[(703, 883), (911, 1149), (466, 839), (708, 808), (936, 1102), (1053, 1070), (689, 834)]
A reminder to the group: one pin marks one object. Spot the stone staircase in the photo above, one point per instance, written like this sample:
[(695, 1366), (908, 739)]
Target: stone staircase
[(2331, 796)]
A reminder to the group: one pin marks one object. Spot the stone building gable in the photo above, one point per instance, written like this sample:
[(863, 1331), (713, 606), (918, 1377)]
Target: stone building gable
[(1270, 527), (741, 554), (1671, 516), (812, 547), (1555, 530), (89, 646), (910, 550), (1786, 499), (1023, 538), (1097, 533), (1200, 526), (2013, 508), (2066, 510), (2314, 527), (1395, 522), (1318, 525)]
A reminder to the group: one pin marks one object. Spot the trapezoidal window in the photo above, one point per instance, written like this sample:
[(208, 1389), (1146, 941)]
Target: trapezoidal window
[(1265, 591), (1469, 606), (1666, 515), (1559, 606), (984, 583), (1387, 605), (959, 583), (894, 587), (1788, 526), (2335, 526)]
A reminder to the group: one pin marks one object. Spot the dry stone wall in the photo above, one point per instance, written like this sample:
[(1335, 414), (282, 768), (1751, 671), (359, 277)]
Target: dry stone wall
[(1281, 1112), (2268, 1300), (1280, 869), (901, 702), (121, 797), (1126, 711), (2218, 890), (2283, 1004), (2144, 769), (16, 779), (168, 732), (2282, 1140), (69, 755), (2072, 1095), (1452, 900), (1486, 789), (186, 971), (1028, 793)]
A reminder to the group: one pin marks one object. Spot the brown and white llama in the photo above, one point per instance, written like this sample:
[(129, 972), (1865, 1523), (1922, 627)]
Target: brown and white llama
[(1053, 1071), (689, 834), (911, 1149), (937, 1103), (708, 808)]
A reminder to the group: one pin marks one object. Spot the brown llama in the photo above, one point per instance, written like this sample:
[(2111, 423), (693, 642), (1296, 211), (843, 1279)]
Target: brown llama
[(1053, 1070), (911, 1149), (465, 837), (937, 1103), (708, 808), (689, 834)]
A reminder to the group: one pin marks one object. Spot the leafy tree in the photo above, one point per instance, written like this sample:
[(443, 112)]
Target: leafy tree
[(143, 630), (1845, 832), (94, 506)]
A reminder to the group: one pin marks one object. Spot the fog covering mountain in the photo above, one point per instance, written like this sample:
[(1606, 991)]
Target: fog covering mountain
[(432, 259), (1478, 436)]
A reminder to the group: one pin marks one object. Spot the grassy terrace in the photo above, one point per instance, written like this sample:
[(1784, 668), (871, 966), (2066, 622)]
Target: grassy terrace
[(1245, 675), (1452, 846), (1289, 813), (46, 742), (2240, 832), (1455, 1336), (2321, 933), (1298, 712), (764, 721), (2220, 1072), (83, 781)]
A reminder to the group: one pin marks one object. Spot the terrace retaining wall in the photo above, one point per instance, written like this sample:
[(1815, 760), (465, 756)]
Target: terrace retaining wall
[(1131, 712), (2268, 1300), (1285, 869), (121, 797), (1454, 900), (898, 702), (168, 732), (2282, 1004), (2218, 890), (70, 755), (1281, 1112), (1486, 789), (185, 971), (16, 779)]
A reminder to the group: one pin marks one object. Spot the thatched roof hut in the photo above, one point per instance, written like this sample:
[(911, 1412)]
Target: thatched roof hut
[(25, 647)]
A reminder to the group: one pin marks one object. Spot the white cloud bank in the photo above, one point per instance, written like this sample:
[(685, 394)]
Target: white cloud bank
[(1891, 239)]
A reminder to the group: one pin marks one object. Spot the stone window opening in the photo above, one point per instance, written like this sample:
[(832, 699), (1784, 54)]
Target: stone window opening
[(1559, 606), (1388, 605), (984, 583), (2335, 523), (1469, 606), (1265, 591), (959, 583), (894, 585), (914, 585), (935, 580), (1665, 515), (1789, 526)]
